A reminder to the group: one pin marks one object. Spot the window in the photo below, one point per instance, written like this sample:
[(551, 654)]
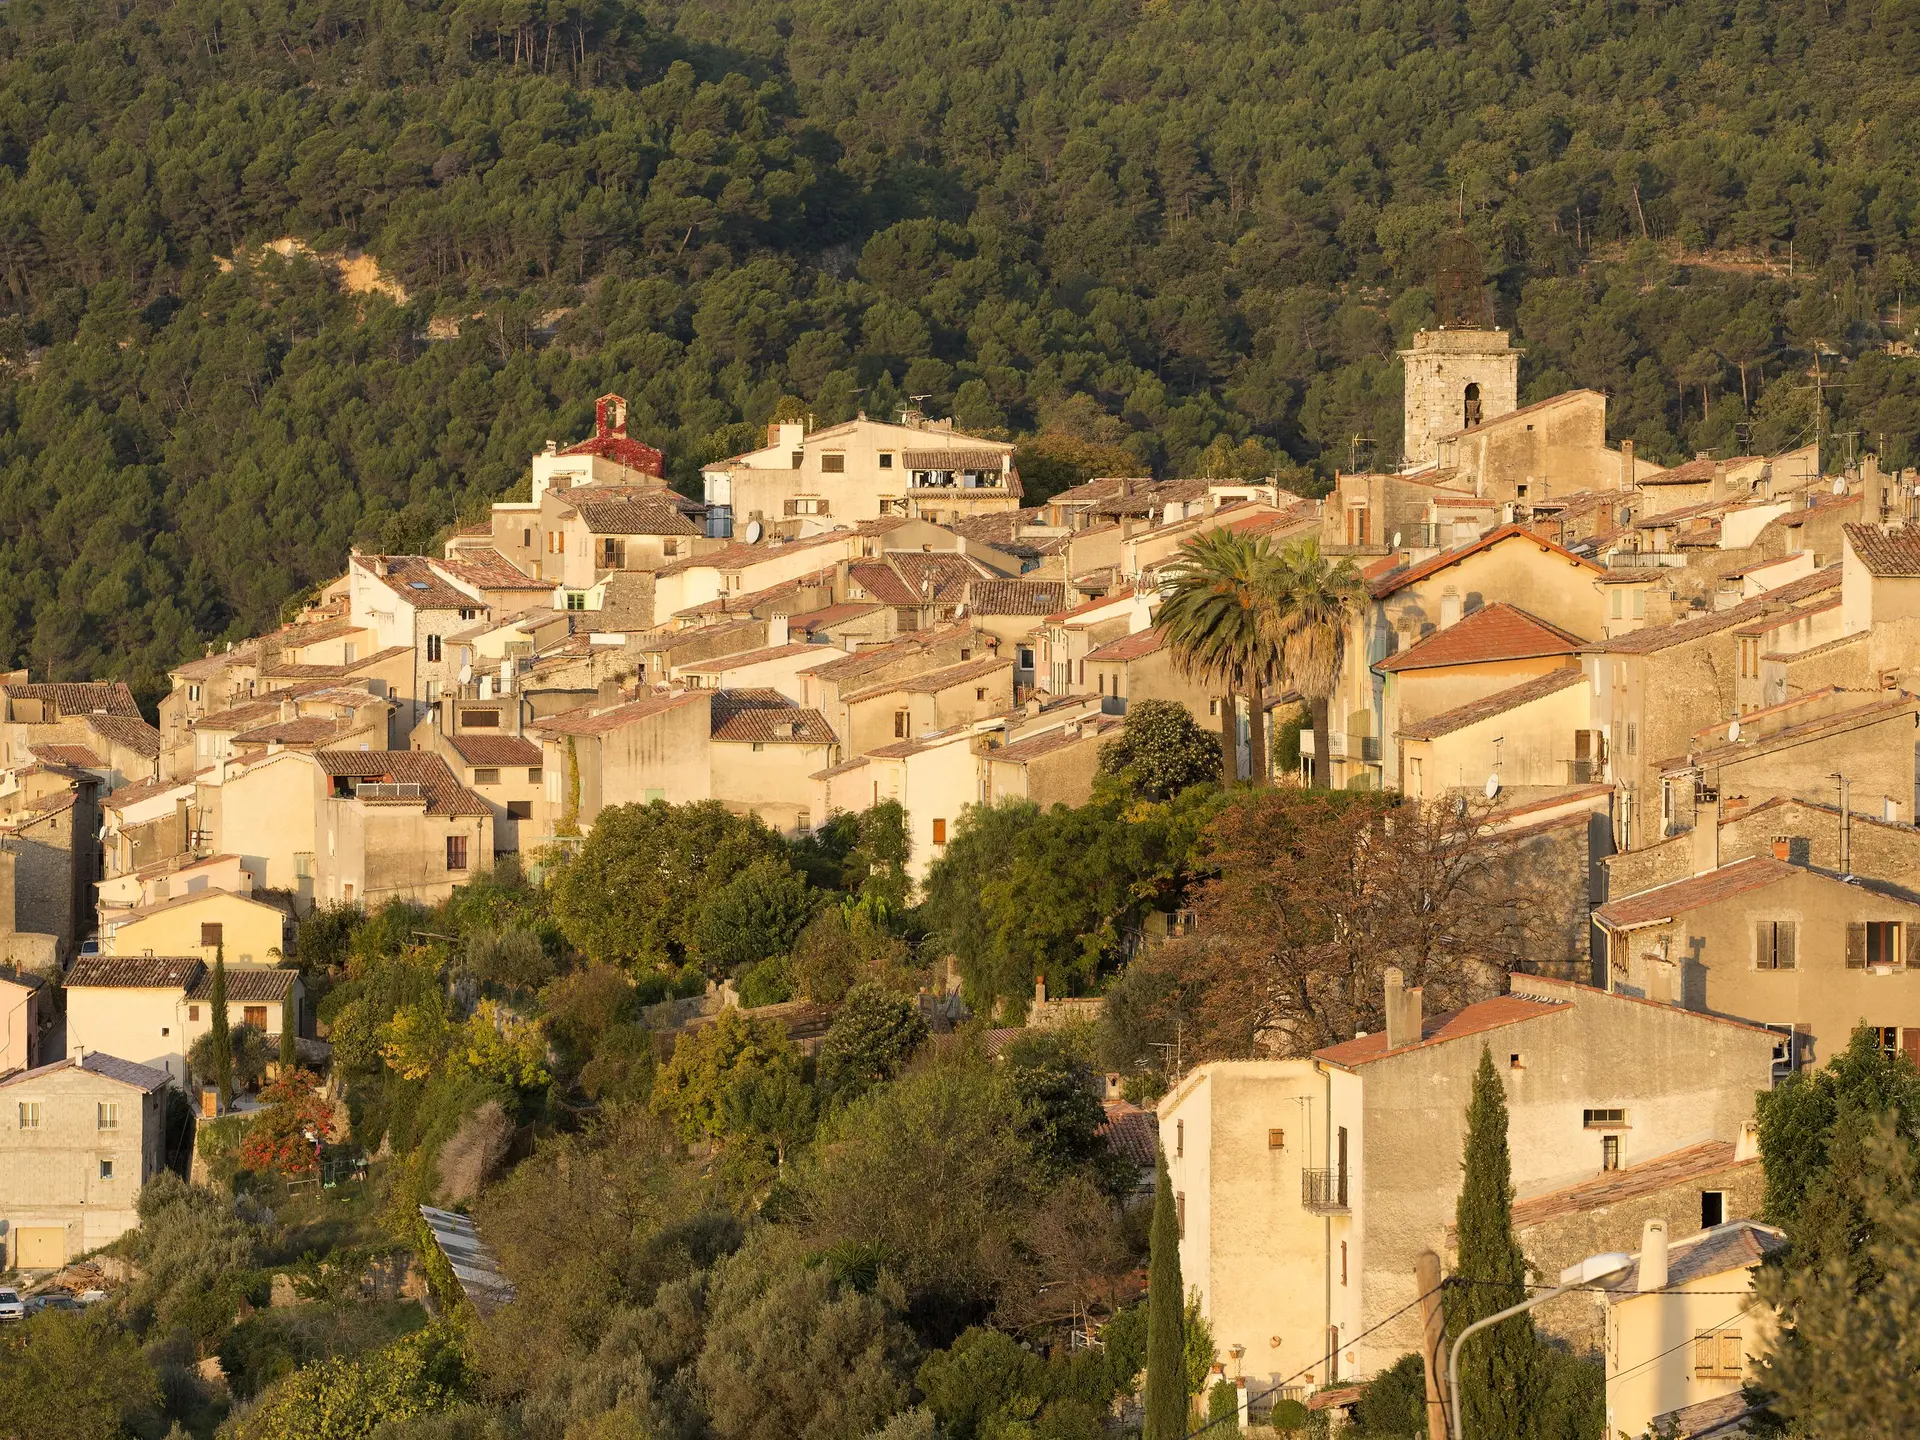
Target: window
[(1180, 1212), (254, 1015), (526, 538), (1876, 942), (1639, 604), (106, 1169), (576, 600), (533, 774), (107, 1115), (799, 458), (979, 692), (1773, 945), (670, 546), (480, 719), (886, 459), (1514, 1062), (1179, 1138), (833, 464), (193, 1012), (303, 865), (1343, 1262), (1719, 1355), (1276, 1139), (456, 852), (1889, 1038), (1604, 1119), (899, 724), (1614, 609), (1213, 707), (1470, 408), (1609, 1152), (29, 1114), (193, 692), (1749, 657), (1101, 682), (1026, 658), (519, 809), (939, 832), (1713, 1208), (433, 649), (486, 775), (211, 932), (613, 553)]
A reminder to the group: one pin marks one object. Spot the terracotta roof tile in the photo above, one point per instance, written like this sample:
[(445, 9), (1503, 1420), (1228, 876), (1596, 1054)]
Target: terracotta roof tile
[(766, 717), (1485, 708), (413, 579), (1131, 647), (1494, 1014), (631, 515), (442, 792), (1399, 579), (1132, 1133), (1693, 1163), (1885, 555), (76, 755), (1662, 637), (1094, 604), (1663, 902), (718, 664), (1016, 597), (134, 972), (79, 697), (108, 1067), (812, 621), (495, 749), (584, 722), (488, 569), (248, 984), (1737, 1245), (928, 681), (1493, 632)]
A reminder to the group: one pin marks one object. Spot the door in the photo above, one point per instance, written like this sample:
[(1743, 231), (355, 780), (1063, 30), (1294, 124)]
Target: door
[(41, 1248)]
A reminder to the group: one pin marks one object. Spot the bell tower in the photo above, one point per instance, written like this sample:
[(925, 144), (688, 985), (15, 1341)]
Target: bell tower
[(1465, 372)]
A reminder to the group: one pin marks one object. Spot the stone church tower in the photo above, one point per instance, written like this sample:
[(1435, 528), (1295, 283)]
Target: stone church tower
[(1456, 378)]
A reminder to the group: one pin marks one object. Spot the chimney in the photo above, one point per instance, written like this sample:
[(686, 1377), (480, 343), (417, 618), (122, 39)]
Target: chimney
[(1783, 847), (608, 694), (1747, 1147), (1626, 465), (777, 633), (1403, 1010), (1706, 837), (1653, 1256), (1039, 990), (553, 447)]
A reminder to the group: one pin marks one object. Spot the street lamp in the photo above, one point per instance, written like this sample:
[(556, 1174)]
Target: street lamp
[(1584, 1272)]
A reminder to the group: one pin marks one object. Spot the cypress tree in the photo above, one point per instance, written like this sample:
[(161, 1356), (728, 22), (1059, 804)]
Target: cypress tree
[(1166, 1393), (222, 1037), (289, 1028), (1500, 1368)]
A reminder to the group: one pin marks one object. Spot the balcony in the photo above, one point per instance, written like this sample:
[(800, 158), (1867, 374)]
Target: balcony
[(1646, 560), (1342, 745), (386, 790), (1324, 1192)]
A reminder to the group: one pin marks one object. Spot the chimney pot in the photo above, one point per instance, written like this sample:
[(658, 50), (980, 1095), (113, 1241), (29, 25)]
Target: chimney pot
[(1747, 1147), (1706, 837), (1039, 989), (1403, 1006), (1783, 847), (1653, 1256)]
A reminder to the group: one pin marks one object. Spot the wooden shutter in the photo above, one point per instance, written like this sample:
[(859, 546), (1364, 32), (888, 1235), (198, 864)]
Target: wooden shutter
[(1732, 1361), (1856, 947), (1910, 1042), (1786, 934), (1912, 933), (1763, 945), (1706, 1353)]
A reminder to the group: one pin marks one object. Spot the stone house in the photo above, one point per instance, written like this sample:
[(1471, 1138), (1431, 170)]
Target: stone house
[(79, 1138), (1308, 1187), (934, 777), (49, 860), (764, 752), (1049, 766), (653, 748), (410, 604), (1456, 379), (200, 922), (156, 1006), (1493, 649), (1804, 951), (395, 824), (772, 667), (506, 771), (23, 1009), (827, 684), (934, 700), (1812, 833), (1534, 736)]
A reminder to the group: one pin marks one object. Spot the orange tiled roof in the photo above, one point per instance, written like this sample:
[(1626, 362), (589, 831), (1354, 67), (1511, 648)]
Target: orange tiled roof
[(1494, 1014), (1493, 632)]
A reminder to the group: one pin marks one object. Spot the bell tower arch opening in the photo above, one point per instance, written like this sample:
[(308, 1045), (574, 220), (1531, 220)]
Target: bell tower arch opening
[(1470, 411)]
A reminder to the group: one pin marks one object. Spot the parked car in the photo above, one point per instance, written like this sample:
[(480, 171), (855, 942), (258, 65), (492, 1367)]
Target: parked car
[(52, 1300), (11, 1306)]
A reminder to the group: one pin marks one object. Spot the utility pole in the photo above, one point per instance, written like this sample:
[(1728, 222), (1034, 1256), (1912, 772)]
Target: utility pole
[(1426, 1274)]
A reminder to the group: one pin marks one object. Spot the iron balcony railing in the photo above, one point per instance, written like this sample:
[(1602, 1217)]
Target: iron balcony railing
[(1324, 1191), (387, 790)]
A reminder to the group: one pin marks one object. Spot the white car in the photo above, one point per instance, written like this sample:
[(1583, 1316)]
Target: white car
[(11, 1306)]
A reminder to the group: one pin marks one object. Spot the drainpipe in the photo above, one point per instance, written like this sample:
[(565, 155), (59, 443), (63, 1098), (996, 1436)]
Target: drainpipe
[(1326, 1225), (1846, 822)]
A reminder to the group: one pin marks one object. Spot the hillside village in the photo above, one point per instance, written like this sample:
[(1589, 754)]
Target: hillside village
[(1682, 700)]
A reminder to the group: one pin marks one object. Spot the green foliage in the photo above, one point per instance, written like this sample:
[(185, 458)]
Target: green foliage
[(864, 854), (869, 1042), (723, 1073), (247, 1056), (73, 1377), (632, 895), (1056, 1088), (289, 1032), (219, 1040), (198, 1251), (1223, 1409), (515, 958), (844, 945), (985, 1386), (577, 1011), (754, 916), (342, 1399), (270, 1345), (1166, 1392), (1021, 892), (1501, 1368), (1288, 1417), (1393, 1405), (1161, 750)]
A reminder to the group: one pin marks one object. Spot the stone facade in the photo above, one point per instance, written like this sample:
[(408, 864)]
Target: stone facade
[(1456, 379)]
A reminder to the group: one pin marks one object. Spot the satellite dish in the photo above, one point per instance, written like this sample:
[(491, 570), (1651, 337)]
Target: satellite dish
[(1840, 486), (1493, 786), (1733, 731), (466, 672), (754, 532), (1396, 540)]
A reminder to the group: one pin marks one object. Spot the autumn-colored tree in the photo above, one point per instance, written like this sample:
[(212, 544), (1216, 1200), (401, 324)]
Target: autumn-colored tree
[(282, 1139)]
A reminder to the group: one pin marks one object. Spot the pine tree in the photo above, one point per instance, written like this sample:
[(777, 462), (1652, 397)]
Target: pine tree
[(1166, 1392), (1499, 1368), (289, 1030), (222, 1037)]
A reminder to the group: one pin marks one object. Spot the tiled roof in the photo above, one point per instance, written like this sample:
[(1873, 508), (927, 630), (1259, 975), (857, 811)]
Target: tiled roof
[(631, 515), (488, 569), (1094, 604), (1485, 708), (1047, 742), (1132, 1133), (1612, 1186), (1399, 579), (1131, 647), (766, 717), (828, 616), (109, 1067), (717, 664), (844, 667), (443, 793), (929, 681), (80, 697), (1663, 637), (1016, 597), (857, 762), (584, 722), (1477, 1019), (1691, 473), (134, 972), (77, 755), (1493, 632), (975, 459), (197, 897), (245, 653), (146, 790), (1897, 554), (495, 749), (298, 730), (413, 579), (999, 528), (1737, 1245), (741, 555), (1663, 902), (247, 984)]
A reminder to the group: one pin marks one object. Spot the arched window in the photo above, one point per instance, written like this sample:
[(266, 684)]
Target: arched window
[(1473, 403)]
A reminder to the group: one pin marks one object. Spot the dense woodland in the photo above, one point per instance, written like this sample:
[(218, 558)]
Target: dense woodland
[(1176, 237)]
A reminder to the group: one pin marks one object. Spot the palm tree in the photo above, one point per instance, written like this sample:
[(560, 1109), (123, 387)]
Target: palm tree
[(1217, 613), (1316, 601)]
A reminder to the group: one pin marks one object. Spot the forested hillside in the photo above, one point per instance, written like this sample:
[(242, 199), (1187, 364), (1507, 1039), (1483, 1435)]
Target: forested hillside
[(1192, 230)]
